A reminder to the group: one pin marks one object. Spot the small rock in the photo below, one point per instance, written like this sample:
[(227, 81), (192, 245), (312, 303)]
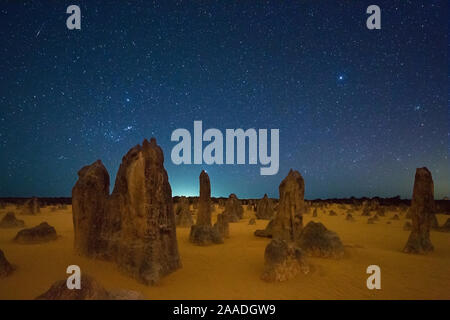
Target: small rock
[(10, 221), (90, 290), (41, 233), (283, 261), (316, 240)]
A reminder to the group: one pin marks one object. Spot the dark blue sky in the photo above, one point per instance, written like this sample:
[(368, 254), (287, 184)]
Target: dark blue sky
[(358, 110)]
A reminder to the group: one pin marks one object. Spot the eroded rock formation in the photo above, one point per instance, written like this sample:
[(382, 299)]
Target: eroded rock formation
[(222, 225), (31, 207), (203, 233), (5, 267), (381, 211), (264, 208), (283, 257), (422, 207), (183, 215), (366, 211), (316, 240), (233, 209), (89, 200), (288, 221), (41, 233), (135, 225), (90, 290), (283, 261), (10, 221)]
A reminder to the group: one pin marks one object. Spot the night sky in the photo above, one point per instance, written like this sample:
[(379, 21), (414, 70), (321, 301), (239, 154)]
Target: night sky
[(358, 110)]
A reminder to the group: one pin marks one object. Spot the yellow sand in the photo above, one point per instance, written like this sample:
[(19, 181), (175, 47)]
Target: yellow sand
[(232, 270)]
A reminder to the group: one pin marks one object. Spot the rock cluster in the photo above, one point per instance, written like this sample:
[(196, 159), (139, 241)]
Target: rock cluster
[(135, 225), (31, 207), (381, 211), (283, 257), (366, 211), (288, 220), (422, 208)]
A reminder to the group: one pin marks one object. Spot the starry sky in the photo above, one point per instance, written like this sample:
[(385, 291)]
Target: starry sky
[(358, 110)]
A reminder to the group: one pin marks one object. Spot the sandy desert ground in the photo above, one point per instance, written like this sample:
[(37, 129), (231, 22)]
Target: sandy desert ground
[(232, 270)]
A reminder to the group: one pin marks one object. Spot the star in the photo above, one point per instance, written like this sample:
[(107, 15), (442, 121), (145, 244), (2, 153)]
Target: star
[(335, 106)]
